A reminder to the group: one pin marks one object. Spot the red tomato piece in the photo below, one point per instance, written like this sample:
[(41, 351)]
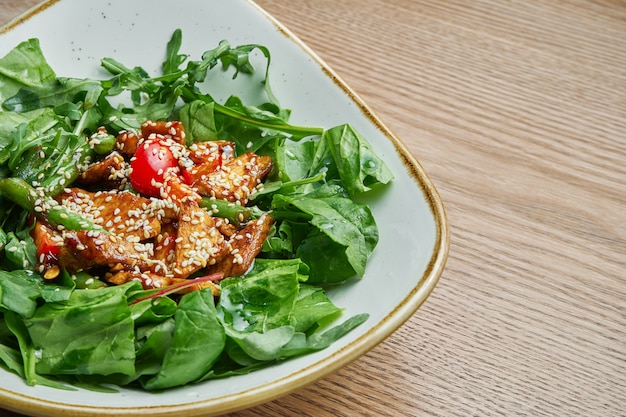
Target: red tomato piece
[(48, 250), (45, 244), (151, 161)]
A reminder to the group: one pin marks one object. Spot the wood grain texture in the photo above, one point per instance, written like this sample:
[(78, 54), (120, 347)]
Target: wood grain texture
[(517, 110)]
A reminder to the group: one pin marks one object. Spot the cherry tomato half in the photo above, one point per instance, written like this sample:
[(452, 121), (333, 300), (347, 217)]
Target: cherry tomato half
[(151, 161)]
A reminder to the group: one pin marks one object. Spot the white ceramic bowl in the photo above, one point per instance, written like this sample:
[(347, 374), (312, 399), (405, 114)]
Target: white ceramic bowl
[(413, 246)]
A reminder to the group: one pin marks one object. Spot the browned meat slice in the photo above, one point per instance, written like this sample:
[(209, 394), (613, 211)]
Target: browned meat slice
[(165, 245), (225, 227), (214, 152), (148, 279), (120, 212), (86, 249), (107, 173), (237, 178), (243, 248), (126, 142), (199, 243), (169, 130), (177, 191)]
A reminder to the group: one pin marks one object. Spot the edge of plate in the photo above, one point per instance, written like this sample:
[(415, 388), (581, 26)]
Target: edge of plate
[(21, 18), (268, 392)]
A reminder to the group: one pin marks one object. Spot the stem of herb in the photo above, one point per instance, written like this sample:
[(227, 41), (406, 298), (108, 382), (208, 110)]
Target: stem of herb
[(177, 287)]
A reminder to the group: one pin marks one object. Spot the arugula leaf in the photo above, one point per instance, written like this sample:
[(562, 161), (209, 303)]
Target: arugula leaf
[(20, 251), (173, 59)]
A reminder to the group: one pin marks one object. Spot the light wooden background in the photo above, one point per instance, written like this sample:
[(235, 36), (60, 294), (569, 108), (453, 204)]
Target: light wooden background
[(517, 110)]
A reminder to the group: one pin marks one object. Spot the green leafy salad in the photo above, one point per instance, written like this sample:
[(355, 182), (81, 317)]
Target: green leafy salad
[(152, 237)]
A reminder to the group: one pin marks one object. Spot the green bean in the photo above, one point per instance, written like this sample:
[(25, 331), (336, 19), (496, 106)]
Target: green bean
[(59, 216), (43, 206), (235, 213), (103, 144), (19, 192)]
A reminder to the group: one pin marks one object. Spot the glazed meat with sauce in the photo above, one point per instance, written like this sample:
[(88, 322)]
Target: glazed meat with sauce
[(163, 239)]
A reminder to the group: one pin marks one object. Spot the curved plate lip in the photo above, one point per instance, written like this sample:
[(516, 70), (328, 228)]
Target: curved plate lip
[(279, 387)]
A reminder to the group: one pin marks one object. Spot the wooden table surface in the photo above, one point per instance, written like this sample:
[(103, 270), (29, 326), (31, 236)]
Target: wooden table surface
[(517, 110)]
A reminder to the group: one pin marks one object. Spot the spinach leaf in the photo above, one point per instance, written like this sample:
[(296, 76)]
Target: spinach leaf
[(264, 299), (198, 117), (349, 224), (154, 310), (283, 239), (294, 159), (12, 359), (154, 341), (57, 93), (197, 342), (313, 307), (18, 294), (91, 333), (9, 121), (17, 327), (21, 359), (302, 343), (270, 315), (257, 311), (24, 66), (359, 167), (20, 251)]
